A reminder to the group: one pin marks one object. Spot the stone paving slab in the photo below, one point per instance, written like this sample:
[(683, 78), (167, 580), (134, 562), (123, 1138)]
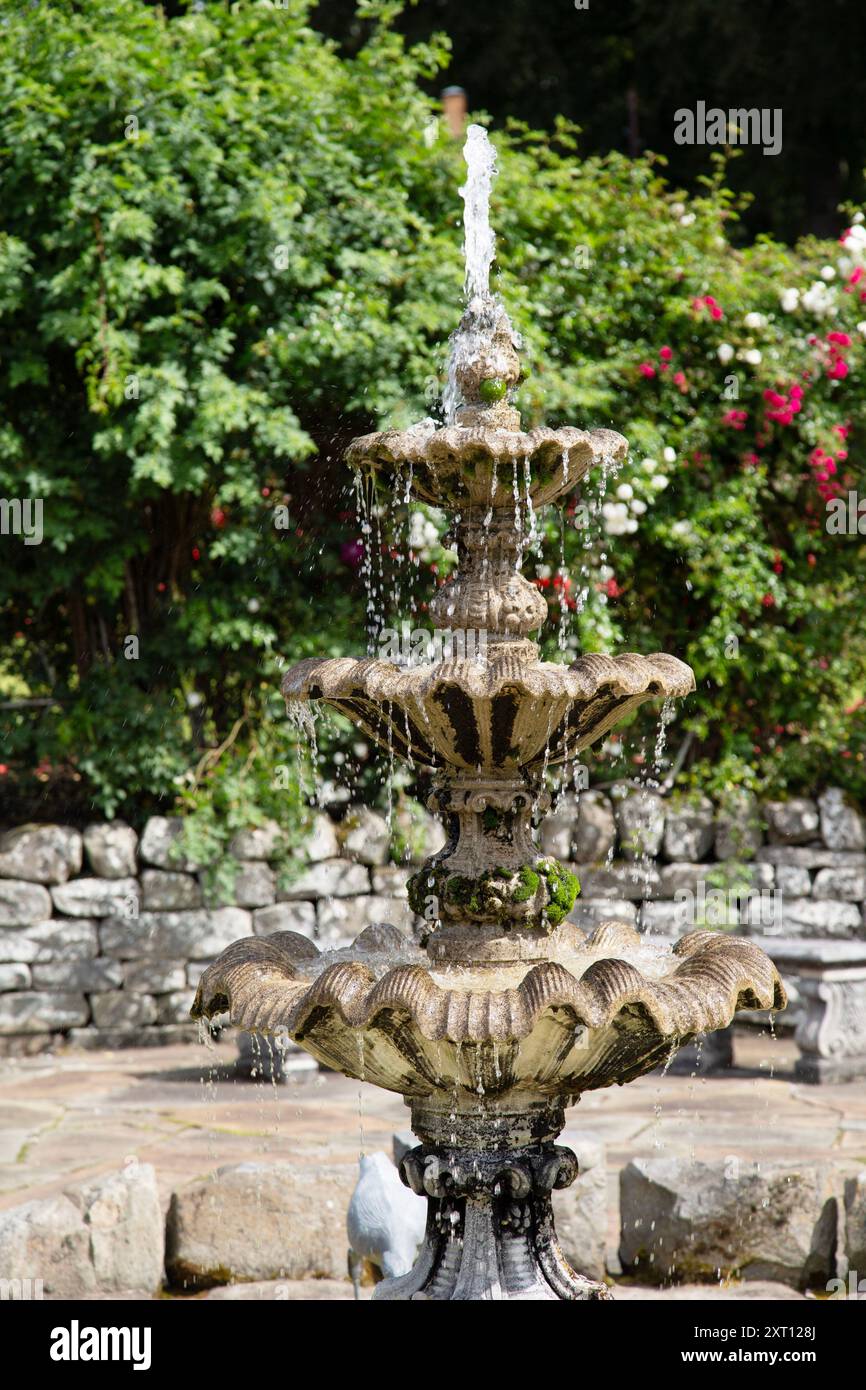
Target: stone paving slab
[(74, 1115)]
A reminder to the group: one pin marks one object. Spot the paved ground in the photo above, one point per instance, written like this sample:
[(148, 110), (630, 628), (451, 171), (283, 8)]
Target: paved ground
[(67, 1117)]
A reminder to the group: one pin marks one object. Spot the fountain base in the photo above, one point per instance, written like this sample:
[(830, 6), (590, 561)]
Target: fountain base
[(488, 1176), (490, 1232)]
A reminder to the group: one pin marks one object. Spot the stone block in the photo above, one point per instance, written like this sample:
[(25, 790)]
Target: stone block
[(40, 853), (739, 826), (689, 829), (260, 1221), (265, 841), (194, 935), (37, 1011), (22, 902), (14, 976), (54, 936), (111, 848), (154, 976), (594, 829), (321, 842), (640, 822), (97, 897), (842, 824), (89, 976), (688, 1221), (792, 822), (619, 880), (331, 878), (291, 916), (159, 845), (845, 885), (118, 1009), (365, 836), (580, 1211), (165, 890)]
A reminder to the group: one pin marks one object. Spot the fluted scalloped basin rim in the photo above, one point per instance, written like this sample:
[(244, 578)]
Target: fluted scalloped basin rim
[(599, 1010), (498, 712)]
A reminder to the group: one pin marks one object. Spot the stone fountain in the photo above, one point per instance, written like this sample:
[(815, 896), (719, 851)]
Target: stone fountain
[(499, 1013)]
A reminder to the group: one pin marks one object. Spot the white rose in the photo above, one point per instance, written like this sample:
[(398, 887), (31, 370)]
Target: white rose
[(659, 482), (687, 219), (828, 273), (649, 465), (724, 352), (669, 455), (625, 491), (637, 506), (752, 356), (789, 300), (755, 320)]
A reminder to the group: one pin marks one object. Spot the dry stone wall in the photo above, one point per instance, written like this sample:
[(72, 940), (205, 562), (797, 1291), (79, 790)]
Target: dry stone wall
[(104, 934)]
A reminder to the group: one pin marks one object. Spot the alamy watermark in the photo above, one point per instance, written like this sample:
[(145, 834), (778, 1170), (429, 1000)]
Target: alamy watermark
[(408, 646), (737, 126), (725, 907), (846, 516), (22, 516)]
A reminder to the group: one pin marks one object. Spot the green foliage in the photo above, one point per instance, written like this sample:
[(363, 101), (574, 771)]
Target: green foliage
[(225, 250)]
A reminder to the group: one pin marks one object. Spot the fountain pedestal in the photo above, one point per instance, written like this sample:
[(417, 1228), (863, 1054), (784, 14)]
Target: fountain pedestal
[(490, 1232)]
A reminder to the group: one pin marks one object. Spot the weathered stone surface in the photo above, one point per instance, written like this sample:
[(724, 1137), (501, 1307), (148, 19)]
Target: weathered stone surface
[(810, 917), (555, 831), (640, 821), (793, 882), (811, 857), (294, 916), (173, 1007), (594, 830), (159, 845), (664, 918), (47, 1240), (196, 935), (117, 1009), (689, 828), (89, 976), (123, 1215), (846, 885), (792, 822), (260, 1221), (683, 1220), (163, 890), (739, 826), (102, 1237), (589, 912), (155, 1035), (35, 1011), (97, 897), (390, 881), (332, 878), (341, 919), (42, 941), (855, 1223), (22, 902), (580, 1211), (40, 853), (842, 825), (321, 842), (111, 848), (364, 836), (416, 834), (619, 880), (260, 842), (154, 976), (254, 884), (14, 976)]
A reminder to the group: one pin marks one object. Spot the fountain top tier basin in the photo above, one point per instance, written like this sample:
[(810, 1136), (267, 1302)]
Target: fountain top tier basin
[(486, 461)]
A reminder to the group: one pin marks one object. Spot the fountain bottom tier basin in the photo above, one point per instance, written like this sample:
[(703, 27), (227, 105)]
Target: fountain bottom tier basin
[(488, 1055)]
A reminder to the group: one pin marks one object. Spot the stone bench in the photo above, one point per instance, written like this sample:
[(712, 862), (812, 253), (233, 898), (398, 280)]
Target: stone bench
[(831, 981)]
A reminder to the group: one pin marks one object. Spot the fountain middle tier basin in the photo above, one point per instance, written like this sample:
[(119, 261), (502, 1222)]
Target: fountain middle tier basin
[(492, 714), (513, 1036)]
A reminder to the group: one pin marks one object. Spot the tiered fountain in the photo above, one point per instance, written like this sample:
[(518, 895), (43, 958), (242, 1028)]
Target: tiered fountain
[(500, 1012)]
